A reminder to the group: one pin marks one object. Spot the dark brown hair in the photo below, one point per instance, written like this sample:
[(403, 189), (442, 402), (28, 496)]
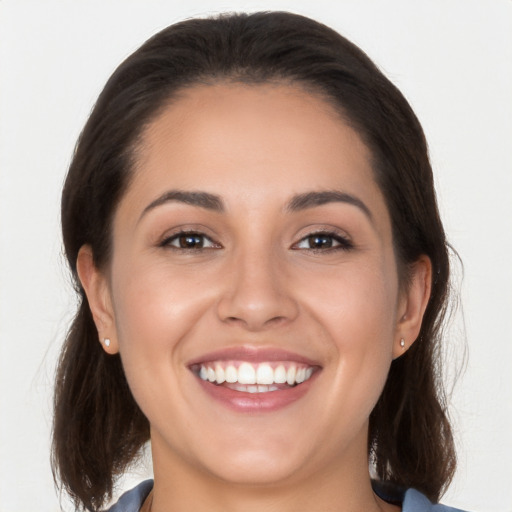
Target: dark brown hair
[(98, 427)]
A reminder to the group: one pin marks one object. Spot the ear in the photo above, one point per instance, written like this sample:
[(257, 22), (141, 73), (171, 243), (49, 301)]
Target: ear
[(96, 288), (412, 305)]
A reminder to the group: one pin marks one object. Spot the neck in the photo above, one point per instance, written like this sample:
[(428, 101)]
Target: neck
[(345, 487)]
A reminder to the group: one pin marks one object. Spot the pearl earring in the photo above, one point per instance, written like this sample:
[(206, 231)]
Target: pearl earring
[(402, 343), (107, 342)]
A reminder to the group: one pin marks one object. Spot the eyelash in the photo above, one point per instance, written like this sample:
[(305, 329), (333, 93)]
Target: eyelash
[(176, 237), (343, 243)]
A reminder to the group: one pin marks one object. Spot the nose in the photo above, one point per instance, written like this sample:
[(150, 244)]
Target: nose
[(257, 294)]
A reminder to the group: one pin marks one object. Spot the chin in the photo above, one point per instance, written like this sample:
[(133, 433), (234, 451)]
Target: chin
[(254, 458), (255, 469)]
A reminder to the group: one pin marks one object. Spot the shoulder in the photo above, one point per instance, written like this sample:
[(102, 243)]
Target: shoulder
[(414, 501), (132, 500), (410, 500)]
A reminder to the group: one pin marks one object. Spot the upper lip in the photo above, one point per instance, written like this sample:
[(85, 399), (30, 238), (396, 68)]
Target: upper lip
[(253, 355)]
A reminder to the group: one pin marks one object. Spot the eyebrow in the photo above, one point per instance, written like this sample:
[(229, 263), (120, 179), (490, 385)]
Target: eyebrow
[(201, 199), (311, 199), (297, 203)]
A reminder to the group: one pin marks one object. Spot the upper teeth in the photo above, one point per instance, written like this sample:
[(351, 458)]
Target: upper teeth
[(248, 373)]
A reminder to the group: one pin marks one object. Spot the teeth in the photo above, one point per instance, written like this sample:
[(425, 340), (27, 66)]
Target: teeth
[(264, 374), (255, 378), (280, 374), (246, 374), (254, 389), (290, 375), (220, 374), (300, 376), (231, 374)]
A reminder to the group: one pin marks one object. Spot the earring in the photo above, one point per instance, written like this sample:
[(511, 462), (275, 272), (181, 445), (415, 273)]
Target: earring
[(402, 343), (107, 342)]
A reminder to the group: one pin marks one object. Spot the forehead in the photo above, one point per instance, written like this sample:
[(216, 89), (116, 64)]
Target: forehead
[(251, 142)]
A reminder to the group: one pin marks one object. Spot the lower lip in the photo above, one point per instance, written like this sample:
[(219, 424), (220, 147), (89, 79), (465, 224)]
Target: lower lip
[(256, 402)]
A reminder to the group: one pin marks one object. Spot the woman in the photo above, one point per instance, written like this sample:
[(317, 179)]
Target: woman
[(251, 222)]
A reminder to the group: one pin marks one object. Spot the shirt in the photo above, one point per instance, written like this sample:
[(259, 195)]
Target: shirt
[(412, 501)]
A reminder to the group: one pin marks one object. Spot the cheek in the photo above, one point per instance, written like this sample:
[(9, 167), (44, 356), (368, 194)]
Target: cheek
[(155, 311), (156, 314), (357, 303), (356, 311)]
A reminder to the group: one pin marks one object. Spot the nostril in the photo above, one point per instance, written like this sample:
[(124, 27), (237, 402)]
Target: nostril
[(255, 323)]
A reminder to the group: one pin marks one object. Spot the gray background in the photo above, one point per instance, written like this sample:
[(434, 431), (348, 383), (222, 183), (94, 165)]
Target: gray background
[(453, 61)]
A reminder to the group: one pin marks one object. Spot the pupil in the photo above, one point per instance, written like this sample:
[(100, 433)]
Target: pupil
[(191, 241), (320, 242)]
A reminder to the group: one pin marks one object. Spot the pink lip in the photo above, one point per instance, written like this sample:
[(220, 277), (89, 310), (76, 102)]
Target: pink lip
[(242, 402), (253, 355)]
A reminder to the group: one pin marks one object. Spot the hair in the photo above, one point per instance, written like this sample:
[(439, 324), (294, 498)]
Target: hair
[(98, 427)]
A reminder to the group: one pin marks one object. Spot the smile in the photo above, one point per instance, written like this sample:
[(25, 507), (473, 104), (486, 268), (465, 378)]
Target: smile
[(248, 377), (255, 379)]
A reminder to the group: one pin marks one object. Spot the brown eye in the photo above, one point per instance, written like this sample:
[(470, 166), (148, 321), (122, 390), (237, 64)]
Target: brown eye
[(323, 241), (320, 241), (189, 241)]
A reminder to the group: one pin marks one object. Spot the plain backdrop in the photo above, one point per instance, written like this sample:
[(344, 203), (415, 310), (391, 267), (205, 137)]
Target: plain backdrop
[(453, 61)]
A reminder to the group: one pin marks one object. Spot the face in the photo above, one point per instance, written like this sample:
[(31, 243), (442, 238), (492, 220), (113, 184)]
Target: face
[(253, 291)]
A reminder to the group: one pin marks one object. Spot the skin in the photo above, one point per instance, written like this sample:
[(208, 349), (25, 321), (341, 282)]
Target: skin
[(256, 284)]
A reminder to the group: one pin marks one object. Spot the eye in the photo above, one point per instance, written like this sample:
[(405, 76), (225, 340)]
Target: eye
[(189, 240), (323, 241)]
